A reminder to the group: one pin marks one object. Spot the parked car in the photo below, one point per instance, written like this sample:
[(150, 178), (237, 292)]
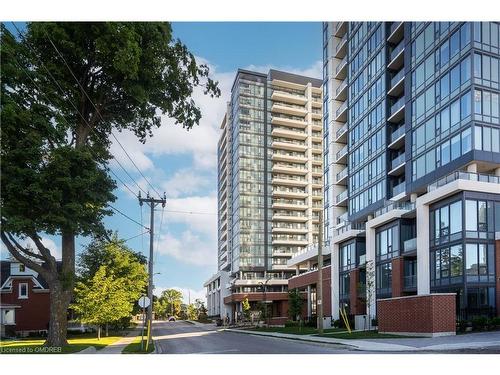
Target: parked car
[(171, 319)]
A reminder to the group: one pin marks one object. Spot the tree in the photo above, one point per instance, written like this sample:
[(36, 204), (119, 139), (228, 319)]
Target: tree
[(192, 312), (66, 86), (101, 300), (122, 264), (171, 301), (200, 309), (295, 303), (369, 289), (246, 308)]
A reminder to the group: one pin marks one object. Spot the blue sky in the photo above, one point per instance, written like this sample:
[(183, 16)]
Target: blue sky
[(183, 164)]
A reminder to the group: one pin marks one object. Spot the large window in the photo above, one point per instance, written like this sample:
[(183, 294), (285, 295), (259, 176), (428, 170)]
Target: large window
[(479, 221), (387, 243), (480, 262), (23, 290), (348, 256), (447, 266), (384, 278), (446, 223)]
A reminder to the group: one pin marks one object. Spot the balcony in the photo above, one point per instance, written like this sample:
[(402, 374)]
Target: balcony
[(288, 96), (289, 109), (341, 177), (410, 245), (341, 70), (288, 180), (340, 29), (342, 220), (288, 145), (397, 110), (397, 140), (396, 57), (469, 176), (341, 50), (350, 226), (289, 193), (399, 189), (341, 113), (410, 282), (398, 165), (341, 91), (289, 204), (403, 206), (288, 120), (341, 156), (288, 216), (341, 199), (297, 157), (289, 168), (396, 32), (279, 131), (341, 134), (397, 84)]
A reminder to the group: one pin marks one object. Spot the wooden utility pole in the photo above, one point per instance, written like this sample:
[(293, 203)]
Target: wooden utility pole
[(319, 285), (152, 202)]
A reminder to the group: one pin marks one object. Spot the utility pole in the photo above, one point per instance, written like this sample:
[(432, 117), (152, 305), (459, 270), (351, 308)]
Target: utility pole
[(319, 286), (151, 202)]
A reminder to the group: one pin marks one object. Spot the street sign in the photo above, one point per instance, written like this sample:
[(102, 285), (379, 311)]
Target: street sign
[(319, 302), (143, 302)]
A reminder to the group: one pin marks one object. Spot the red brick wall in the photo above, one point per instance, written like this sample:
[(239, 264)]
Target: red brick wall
[(497, 270), (432, 313), (33, 315), (270, 296), (311, 278), (397, 276)]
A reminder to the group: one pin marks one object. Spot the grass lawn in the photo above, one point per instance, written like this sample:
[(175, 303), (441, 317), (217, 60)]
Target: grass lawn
[(135, 347), (76, 343), (296, 330), (362, 335)]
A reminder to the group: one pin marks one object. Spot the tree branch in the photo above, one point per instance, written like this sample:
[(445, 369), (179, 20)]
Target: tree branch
[(51, 260), (23, 259)]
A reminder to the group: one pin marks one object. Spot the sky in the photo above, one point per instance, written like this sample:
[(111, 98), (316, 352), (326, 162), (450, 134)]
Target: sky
[(183, 163)]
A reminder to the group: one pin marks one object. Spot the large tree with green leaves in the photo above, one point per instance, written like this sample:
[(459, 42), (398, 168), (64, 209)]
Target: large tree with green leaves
[(169, 303), (65, 88), (295, 303)]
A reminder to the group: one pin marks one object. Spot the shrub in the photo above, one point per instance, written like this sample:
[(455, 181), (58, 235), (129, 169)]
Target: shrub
[(291, 323), (462, 325), (495, 322), (374, 322), (478, 324)]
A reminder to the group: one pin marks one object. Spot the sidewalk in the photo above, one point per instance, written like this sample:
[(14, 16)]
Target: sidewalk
[(468, 341), (118, 346)]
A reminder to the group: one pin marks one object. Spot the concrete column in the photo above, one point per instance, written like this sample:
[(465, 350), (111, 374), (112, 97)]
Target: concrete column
[(497, 172), (413, 197), (370, 270), (297, 269), (335, 281), (423, 256), (309, 265), (472, 168)]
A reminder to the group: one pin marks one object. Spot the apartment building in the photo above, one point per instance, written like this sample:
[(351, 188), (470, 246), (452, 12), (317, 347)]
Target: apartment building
[(270, 168), (412, 164)]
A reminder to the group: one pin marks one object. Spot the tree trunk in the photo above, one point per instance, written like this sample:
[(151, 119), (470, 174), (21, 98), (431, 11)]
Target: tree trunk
[(107, 330), (98, 332), (58, 323), (61, 293)]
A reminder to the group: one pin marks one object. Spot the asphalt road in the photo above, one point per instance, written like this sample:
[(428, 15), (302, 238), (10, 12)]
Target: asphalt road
[(185, 338)]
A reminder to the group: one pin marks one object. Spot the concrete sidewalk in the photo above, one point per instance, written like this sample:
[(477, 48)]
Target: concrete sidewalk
[(118, 346), (468, 341)]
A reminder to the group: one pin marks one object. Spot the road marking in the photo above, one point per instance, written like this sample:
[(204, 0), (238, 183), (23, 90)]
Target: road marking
[(219, 351)]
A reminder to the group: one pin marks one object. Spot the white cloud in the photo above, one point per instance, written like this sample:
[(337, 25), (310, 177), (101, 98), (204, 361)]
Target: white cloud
[(189, 247), (186, 181), (187, 293)]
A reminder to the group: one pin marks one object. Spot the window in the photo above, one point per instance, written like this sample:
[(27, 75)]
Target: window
[(445, 119), (456, 260), (470, 215), (471, 261), (384, 278), (478, 139), (477, 65), (455, 78), (455, 43), (445, 53), (445, 153), (455, 113), (456, 217), (445, 86), (477, 102), (465, 34), (466, 141), (23, 290), (465, 106), (22, 267), (465, 70)]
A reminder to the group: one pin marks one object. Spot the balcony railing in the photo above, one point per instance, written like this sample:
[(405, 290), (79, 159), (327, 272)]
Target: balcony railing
[(341, 65), (342, 174), (406, 206), (410, 281), (397, 105), (350, 226), (289, 92), (398, 161), (341, 43), (342, 152), (342, 108), (342, 196), (463, 176), (341, 87), (396, 78), (398, 133), (397, 50), (341, 131), (399, 188), (410, 245)]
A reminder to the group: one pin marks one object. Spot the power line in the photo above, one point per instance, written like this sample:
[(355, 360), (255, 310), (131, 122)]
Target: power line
[(128, 217), (74, 106), (190, 212), (99, 113), (137, 235)]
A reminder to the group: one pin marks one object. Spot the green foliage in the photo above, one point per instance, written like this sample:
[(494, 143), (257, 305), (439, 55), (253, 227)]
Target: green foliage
[(295, 303), (246, 308), (168, 304), (192, 312)]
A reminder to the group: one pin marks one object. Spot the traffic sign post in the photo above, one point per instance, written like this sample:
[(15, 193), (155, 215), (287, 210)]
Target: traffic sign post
[(143, 303)]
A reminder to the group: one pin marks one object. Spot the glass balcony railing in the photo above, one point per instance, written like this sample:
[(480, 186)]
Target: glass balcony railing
[(405, 206), (398, 161), (410, 281), (342, 108), (342, 196), (397, 77), (350, 226), (342, 174), (342, 63), (410, 245), (342, 86), (289, 92), (398, 133), (342, 152), (397, 105), (463, 176), (342, 218), (341, 43), (397, 50), (398, 189), (342, 130)]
